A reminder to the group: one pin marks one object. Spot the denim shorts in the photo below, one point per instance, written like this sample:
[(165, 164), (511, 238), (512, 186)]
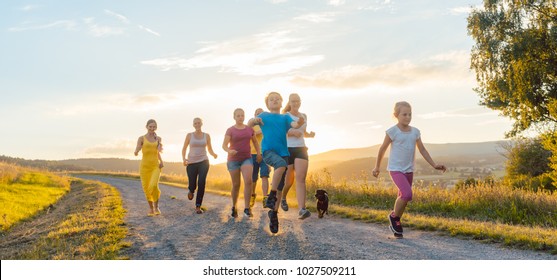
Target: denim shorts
[(234, 165), (271, 158), (260, 170)]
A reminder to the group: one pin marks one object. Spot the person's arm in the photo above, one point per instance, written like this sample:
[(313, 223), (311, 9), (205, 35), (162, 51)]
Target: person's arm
[(185, 148), (380, 154), (309, 135), (161, 163), (225, 144), (210, 147), (255, 121), (138, 146), (257, 148), (294, 133), (299, 123), (427, 157)]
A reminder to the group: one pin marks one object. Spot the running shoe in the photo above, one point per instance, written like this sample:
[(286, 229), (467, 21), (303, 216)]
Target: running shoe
[(284, 204), (304, 213), (395, 226), (273, 221), (247, 213)]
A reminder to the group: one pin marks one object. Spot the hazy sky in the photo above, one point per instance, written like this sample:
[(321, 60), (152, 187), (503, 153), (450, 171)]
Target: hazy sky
[(81, 78)]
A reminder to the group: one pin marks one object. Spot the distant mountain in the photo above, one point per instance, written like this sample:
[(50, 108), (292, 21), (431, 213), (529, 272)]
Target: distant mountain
[(342, 163)]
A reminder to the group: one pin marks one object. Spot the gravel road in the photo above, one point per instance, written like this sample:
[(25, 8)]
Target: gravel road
[(181, 234)]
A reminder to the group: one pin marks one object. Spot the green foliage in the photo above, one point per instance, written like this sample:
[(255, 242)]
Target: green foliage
[(515, 59), (479, 200), (527, 157)]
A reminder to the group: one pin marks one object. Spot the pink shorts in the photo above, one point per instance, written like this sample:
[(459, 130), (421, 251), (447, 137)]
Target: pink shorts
[(403, 182)]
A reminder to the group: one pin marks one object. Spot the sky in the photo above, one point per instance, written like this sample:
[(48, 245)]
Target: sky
[(80, 79)]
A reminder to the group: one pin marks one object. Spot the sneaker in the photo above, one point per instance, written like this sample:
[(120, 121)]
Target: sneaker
[(304, 213), (234, 213), (252, 201), (273, 221), (198, 210), (284, 205), (190, 195), (395, 226), (247, 213), (264, 201), (271, 201)]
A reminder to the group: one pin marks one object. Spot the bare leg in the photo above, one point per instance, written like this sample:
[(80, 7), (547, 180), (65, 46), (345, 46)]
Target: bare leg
[(151, 207), (265, 185), (288, 180), (301, 171), (247, 171), (235, 176), (400, 205)]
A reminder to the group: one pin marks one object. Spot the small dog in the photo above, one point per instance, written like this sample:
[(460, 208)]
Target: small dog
[(322, 202)]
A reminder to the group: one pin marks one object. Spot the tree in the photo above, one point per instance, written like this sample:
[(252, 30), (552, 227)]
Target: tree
[(527, 156), (515, 59)]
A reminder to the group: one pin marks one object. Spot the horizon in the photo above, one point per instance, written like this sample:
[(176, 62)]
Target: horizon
[(80, 80)]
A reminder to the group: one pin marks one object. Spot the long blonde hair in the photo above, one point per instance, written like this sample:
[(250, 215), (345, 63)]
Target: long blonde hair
[(288, 108)]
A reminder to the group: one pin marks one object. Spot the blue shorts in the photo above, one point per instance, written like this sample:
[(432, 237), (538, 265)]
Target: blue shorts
[(260, 170), (271, 158), (235, 165)]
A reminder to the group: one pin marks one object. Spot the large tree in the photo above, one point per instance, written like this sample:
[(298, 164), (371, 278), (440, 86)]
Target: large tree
[(515, 59)]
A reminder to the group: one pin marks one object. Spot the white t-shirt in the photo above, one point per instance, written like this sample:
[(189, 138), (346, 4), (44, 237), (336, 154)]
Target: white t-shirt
[(403, 149), (297, 141)]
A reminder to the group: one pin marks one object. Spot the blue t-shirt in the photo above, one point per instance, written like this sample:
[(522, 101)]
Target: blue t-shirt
[(274, 128)]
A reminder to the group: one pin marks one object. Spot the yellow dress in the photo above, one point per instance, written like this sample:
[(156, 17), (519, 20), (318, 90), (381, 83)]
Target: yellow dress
[(149, 170)]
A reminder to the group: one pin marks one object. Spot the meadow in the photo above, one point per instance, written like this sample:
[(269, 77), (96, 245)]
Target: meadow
[(46, 216)]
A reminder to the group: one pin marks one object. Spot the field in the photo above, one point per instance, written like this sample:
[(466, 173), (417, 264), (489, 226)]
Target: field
[(45, 216)]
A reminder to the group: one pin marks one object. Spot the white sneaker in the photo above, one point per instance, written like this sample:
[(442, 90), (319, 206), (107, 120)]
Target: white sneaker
[(304, 213)]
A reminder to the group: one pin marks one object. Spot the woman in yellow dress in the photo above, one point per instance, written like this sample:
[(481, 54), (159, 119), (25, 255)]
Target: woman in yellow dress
[(151, 163)]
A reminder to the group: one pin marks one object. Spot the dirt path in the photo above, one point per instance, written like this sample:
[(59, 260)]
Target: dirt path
[(180, 234)]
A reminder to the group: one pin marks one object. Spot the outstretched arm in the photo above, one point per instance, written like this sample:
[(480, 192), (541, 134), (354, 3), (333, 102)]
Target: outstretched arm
[(386, 142), (427, 157)]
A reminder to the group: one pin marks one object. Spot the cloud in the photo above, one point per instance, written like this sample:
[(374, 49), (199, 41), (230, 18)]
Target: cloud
[(337, 2), (463, 10), (258, 55), (120, 17), (119, 102), (149, 30), (65, 24), (102, 30), (377, 6), (451, 65), (317, 17), (458, 113), (277, 1), (117, 148), (30, 7)]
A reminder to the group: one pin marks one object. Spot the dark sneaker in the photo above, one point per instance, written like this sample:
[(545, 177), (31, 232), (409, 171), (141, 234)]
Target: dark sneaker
[(264, 201), (284, 205), (273, 221), (234, 213), (247, 213), (190, 195), (304, 213), (252, 201), (271, 201), (395, 226)]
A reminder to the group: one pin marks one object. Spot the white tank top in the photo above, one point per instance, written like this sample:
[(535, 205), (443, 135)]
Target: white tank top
[(292, 141), (198, 149)]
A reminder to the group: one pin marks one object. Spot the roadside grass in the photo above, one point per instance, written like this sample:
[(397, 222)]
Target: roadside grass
[(492, 213), (85, 222), (26, 192)]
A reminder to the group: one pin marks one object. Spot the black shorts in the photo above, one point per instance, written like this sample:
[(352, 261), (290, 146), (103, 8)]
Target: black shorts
[(297, 152)]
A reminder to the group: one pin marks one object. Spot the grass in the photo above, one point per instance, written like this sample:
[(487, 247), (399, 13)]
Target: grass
[(489, 212), (85, 222), (26, 192)]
